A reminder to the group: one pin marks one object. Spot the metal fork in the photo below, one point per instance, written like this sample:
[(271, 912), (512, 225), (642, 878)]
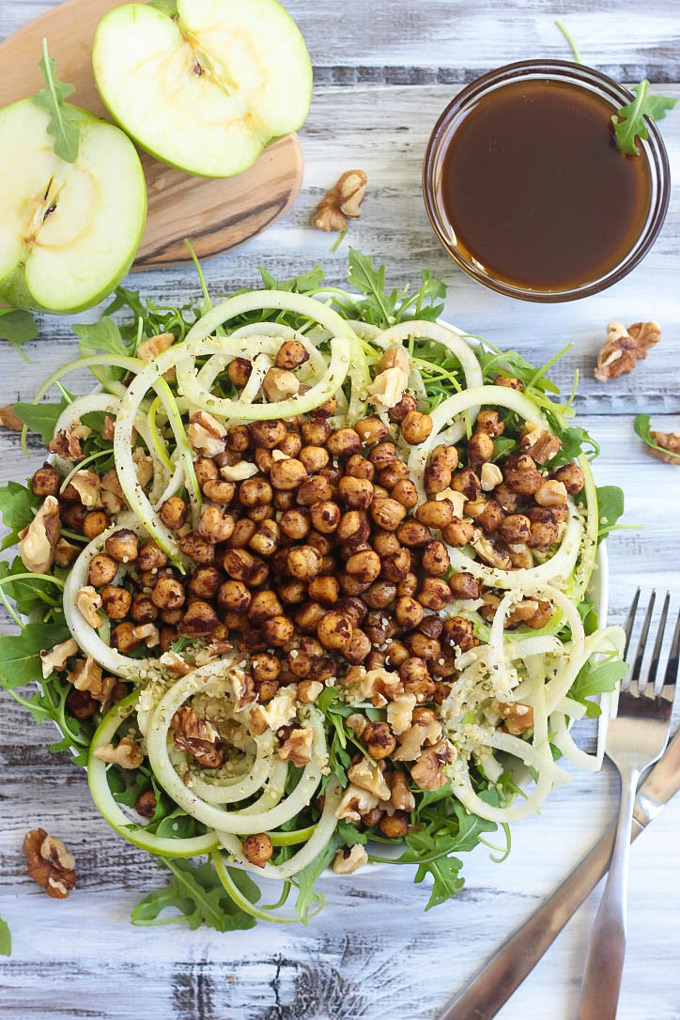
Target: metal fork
[(636, 739)]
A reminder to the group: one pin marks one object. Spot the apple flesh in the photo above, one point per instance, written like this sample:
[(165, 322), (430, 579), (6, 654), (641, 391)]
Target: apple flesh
[(207, 90), (68, 231)]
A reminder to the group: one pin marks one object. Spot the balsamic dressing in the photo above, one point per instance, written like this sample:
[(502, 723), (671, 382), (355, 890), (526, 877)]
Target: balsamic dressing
[(536, 190)]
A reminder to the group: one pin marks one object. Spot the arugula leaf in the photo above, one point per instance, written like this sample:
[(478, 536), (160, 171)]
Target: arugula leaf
[(643, 430), (168, 7), (305, 879), (17, 326), (64, 125), (196, 892), (348, 834), (41, 418), (20, 653), (101, 337), (609, 507), (302, 284), (597, 678), (5, 939), (29, 593), (384, 309), (573, 439), (446, 879), (629, 121), (16, 505)]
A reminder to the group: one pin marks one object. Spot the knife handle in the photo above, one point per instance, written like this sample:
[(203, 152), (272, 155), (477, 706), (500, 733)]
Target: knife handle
[(492, 986)]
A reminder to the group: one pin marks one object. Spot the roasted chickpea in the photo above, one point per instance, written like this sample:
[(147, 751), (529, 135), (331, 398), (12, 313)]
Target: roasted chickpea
[(206, 582), (308, 616), (143, 609), (466, 481), (288, 474), (550, 493), (480, 449), (343, 442), (102, 570), (265, 667), (234, 595), (168, 593), (459, 532), (408, 585), (394, 826), (385, 543), (397, 566), (205, 470), (394, 472), (521, 474), (46, 481), (255, 492), (264, 460), (413, 534), (379, 739), (173, 513), (324, 589), (423, 647), (257, 849), (491, 516), (278, 630), (445, 455), (314, 458), (353, 527), (123, 545), (295, 524), (407, 404), (408, 612), (571, 477), (437, 477), (509, 381), (266, 689), (263, 606), (380, 595), (387, 513), (544, 528), (123, 637), (395, 653), (239, 371), (200, 620), (435, 513), (405, 493), (244, 529), (380, 627), (435, 559), (355, 492), (334, 630), (151, 557), (304, 562), (358, 648), (172, 616), (460, 632), (434, 593), (413, 671), (81, 704), (382, 455), (315, 431), (371, 430), (416, 427), (72, 514), (490, 422), (358, 466), (464, 586), (198, 548), (325, 516), (515, 529), (354, 609), (322, 543), (214, 525), (219, 491), (291, 355), (292, 592), (266, 539), (116, 602), (365, 566), (95, 522), (240, 565), (268, 434), (238, 438), (431, 625), (315, 490)]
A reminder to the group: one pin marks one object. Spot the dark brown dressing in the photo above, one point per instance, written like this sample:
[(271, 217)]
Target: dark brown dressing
[(536, 190)]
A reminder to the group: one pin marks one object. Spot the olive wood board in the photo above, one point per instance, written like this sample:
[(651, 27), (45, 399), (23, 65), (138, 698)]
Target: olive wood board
[(216, 215)]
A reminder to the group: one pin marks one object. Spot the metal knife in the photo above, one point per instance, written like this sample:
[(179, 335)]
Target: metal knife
[(491, 987)]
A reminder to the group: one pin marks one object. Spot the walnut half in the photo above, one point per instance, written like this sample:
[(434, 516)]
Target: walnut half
[(342, 202), (50, 864), (623, 348), (670, 441)]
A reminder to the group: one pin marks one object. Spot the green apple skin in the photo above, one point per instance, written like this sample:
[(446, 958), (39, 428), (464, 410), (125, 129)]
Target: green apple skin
[(203, 157), (16, 289)]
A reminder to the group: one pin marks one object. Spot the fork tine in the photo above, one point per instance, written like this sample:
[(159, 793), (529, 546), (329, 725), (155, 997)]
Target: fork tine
[(669, 688), (642, 643), (656, 654), (630, 620)]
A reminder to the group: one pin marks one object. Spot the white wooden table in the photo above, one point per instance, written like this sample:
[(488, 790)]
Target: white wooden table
[(383, 73)]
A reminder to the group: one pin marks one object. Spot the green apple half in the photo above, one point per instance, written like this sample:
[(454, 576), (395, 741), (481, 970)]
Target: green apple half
[(206, 90), (68, 231)]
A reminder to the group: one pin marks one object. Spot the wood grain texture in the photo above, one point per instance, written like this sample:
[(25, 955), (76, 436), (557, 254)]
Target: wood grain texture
[(218, 214), (373, 954)]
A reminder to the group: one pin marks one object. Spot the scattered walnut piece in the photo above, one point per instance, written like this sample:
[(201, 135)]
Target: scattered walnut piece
[(88, 601), (148, 633), (425, 732), (200, 739), (50, 864), (670, 441), (9, 420), (66, 445), (399, 712), (244, 689), (239, 472), (346, 861), (108, 428), (87, 485), (174, 662), (39, 539), (276, 713), (428, 771), (155, 345), (297, 747), (624, 347), (539, 443), (369, 777), (143, 466), (518, 717), (66, 553), (127, 754), (342, 202), (391, 381), (206, 434), (54, 659), (279, 384), (355, 803), (87, 676)]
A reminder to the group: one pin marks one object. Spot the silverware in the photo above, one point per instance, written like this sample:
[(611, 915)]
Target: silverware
[(636, 738), (491, 987)]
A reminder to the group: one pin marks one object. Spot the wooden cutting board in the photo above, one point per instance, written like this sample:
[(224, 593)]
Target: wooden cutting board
[(216, 215)]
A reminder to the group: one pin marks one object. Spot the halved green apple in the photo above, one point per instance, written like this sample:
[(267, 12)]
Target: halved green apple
[(205, 90), (68, 231)]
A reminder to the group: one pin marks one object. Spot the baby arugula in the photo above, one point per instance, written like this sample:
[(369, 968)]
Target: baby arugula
[(630, 122), (5, 939), (198, 897), (65, 119)]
